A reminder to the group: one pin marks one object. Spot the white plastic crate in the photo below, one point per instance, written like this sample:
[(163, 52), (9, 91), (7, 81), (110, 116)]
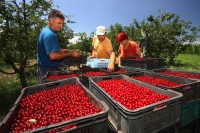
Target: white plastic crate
[(98, 63)]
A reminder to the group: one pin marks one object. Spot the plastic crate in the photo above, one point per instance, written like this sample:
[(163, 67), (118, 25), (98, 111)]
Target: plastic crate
[(192, 127), (82, 59), (59, 73), (87, 124), (122, 70), (85, 79), (98, 63), (187, 73), (171, 129), (189, 88), (143, 63), (190, 112), (185, 76), (146, 119)]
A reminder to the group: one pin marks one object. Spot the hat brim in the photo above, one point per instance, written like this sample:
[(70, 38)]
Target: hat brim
[(100, 33)]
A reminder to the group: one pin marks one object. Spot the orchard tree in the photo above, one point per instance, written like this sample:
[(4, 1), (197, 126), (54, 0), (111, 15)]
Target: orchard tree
[(85, 43), (19, 28), (166, 34), (112, 32)]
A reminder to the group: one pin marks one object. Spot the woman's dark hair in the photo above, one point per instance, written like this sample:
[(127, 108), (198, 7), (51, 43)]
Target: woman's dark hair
[(56, 13)]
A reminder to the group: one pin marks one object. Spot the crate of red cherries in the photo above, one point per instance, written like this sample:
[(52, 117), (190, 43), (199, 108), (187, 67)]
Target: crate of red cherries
[(87, 72), (58, 75), (143, 63), (135, 106), (187, 87), (60, 106), (180, 73)]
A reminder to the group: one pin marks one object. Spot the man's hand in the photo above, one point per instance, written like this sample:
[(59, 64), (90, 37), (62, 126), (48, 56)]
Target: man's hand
[(111, 67), (91, 57), (75, 53), (64, 50)]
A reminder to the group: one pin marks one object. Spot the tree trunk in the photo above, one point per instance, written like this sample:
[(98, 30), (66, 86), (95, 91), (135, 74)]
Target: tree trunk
[(22, 76)]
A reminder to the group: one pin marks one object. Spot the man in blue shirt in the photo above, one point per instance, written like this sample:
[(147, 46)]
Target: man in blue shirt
[(49, 53)]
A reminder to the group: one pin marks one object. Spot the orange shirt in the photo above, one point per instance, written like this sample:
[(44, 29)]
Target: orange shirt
[(130, 51), (101, 49)]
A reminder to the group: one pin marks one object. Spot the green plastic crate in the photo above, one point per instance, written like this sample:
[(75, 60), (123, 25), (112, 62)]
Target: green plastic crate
[(190, 112)]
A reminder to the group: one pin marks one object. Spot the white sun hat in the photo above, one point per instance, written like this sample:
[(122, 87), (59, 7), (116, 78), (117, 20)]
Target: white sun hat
[(101, 30)]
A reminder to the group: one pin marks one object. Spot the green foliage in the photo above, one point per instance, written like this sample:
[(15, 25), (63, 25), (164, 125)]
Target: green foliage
[(64, 35), (158, 37), (165, 35), (112, 33), (84, 44), (20, 27), (191, 49)]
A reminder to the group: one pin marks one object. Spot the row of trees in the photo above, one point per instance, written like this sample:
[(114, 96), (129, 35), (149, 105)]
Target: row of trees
[(191, 49), (158, 37)]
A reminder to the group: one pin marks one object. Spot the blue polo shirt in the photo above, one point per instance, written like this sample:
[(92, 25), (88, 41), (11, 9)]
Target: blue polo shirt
[(47, 43)]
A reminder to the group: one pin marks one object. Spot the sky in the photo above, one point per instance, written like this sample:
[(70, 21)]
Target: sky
[(88, 14)]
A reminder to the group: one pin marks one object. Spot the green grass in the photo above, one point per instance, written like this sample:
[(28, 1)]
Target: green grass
[(187, 62), (10, 89)]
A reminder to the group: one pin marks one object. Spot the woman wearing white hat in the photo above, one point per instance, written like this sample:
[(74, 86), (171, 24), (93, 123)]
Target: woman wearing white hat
[(102, 47)]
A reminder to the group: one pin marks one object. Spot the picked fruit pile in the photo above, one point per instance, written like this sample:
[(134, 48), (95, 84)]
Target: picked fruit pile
[(156, 81), (122, 71), (133, 96), (185, 75), (90, 74), (62, 76), (52, 106)]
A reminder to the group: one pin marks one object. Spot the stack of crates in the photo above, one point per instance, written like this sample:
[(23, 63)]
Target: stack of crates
[(189, 89), (96, 122), (190, 110), (146, 119)]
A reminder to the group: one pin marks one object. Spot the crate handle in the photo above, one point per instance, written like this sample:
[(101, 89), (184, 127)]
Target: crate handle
[(52, 84), (186, 87), (160, 107)]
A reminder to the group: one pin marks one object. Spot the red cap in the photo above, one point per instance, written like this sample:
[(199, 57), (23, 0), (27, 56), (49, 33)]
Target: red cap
[(121, 36)]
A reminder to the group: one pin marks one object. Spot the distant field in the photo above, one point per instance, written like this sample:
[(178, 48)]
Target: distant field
[(188, 62)]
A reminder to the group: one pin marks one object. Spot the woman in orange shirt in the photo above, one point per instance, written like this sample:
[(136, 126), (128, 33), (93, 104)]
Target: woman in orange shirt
[(127, 49)]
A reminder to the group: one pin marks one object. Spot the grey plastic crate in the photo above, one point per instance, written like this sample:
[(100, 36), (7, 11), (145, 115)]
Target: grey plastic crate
[(189, 87), (187, 73), (58, 73), (183, 72), (88, 124), (85, 79), (142, 120), (143, 63)]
